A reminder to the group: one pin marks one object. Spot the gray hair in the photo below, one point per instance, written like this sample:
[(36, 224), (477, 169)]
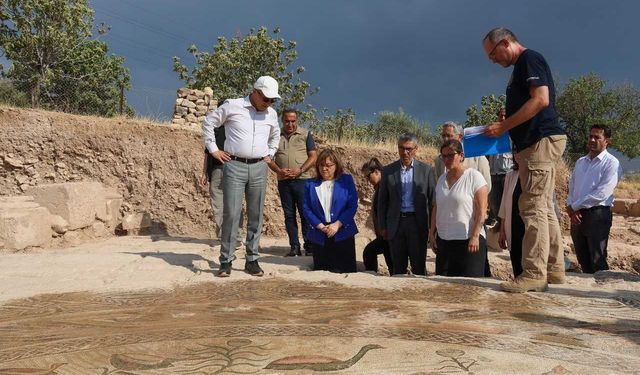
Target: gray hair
[(456, 128), (408, 137), (500, 33)]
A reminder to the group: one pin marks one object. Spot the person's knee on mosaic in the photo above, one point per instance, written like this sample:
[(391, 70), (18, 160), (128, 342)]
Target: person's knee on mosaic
[(457, 233), (295, 156), (405, 197), (534, 127), (252, 137), (330, 205), (591, 186), (372, 171)]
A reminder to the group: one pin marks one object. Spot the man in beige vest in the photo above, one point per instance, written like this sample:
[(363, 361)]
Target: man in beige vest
[(296, 154)]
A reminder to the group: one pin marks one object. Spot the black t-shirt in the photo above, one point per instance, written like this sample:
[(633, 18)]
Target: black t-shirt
[(531, 70), (211, 161)]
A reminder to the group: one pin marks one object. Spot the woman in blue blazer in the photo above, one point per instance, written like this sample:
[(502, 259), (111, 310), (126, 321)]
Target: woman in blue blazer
[(330, 204)]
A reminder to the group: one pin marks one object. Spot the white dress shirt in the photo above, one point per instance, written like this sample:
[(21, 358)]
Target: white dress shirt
[(249, 133), (325, 195), (593, 181)]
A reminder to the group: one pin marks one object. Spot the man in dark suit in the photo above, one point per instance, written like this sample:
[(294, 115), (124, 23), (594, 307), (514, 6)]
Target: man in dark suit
[(404, 203)]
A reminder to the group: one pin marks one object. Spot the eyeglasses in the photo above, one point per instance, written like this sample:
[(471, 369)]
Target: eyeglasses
[(448, 156), (406, 149), (493, 51), (265, 99)]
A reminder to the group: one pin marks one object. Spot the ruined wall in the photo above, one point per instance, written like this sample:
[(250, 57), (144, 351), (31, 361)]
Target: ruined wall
[(192, 105)]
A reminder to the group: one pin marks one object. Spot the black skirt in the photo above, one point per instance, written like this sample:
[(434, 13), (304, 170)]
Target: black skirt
[(335, 256)]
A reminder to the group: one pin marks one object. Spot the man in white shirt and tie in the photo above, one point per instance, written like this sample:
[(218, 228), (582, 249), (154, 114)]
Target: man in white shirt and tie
[(590, 198), (252, 137)]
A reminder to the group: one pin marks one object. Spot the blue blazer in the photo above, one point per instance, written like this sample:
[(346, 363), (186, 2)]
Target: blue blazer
[(344, 204)]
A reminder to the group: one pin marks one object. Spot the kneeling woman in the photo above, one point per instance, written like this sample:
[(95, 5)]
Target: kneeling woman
[(458, 216), (330, 204)]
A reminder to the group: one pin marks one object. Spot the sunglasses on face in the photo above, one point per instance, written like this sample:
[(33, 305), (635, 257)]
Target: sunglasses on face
[(448, 156), (265, 99)]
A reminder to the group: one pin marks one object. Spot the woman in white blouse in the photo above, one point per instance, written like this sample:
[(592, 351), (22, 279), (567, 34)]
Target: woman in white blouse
[(457, 233), (330, 204)]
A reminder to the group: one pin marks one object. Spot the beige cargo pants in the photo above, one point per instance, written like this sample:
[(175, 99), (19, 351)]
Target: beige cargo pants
[(541, 246)]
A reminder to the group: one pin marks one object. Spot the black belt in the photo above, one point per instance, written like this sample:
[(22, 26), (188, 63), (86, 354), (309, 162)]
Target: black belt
[(245, 160), (407, 214), (594, 208)]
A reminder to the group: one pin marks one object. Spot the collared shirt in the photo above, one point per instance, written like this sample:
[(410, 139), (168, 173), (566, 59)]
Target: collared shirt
[(406, 177), (593, 181), (250, 134), (500, 163), (325, 196)]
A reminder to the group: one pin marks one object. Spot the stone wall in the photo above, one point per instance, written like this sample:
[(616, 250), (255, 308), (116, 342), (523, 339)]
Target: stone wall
[(192, 106)]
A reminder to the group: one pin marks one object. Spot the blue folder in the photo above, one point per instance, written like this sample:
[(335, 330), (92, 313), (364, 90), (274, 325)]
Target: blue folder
[(477, 144)]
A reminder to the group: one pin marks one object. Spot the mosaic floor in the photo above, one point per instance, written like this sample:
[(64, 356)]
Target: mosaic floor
[(276, 326)]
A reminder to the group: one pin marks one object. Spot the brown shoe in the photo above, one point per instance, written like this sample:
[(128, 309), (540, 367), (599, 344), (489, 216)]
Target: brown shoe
[(555, 277), (225, 270), (524, 284)]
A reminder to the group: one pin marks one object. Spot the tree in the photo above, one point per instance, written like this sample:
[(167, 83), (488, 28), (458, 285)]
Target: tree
[(389, 125), (488, 111), (55, 61), (584, 101), (233, 66)]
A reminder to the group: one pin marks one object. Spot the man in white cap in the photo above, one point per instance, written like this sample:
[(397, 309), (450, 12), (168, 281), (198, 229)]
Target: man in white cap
[(252, 137)]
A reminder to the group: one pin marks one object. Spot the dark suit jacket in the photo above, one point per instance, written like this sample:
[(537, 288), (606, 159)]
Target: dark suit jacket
[(390, 196), (344, 203)]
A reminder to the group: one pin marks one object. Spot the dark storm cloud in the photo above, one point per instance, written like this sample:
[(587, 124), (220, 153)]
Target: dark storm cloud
[(373, 55)]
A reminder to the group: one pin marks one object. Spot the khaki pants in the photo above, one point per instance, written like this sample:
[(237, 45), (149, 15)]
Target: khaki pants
[(541, 246)]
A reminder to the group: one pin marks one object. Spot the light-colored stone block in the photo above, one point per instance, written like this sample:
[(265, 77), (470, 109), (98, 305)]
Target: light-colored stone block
[(138, 220), (21, 228), (79, 203), (113, 202)]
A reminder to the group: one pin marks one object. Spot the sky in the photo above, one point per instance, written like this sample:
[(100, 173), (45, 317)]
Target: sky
[(375, 55)]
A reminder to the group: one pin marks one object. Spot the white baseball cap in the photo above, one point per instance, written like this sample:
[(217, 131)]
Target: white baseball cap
[(268, 86)]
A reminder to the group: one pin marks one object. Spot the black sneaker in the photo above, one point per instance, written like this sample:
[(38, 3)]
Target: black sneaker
[(225, 270), (253, 268)]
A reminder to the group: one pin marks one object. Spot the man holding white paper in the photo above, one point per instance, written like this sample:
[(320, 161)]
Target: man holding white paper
[(534, 128)]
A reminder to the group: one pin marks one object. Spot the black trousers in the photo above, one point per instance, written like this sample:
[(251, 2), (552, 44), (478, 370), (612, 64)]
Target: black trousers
[(334, 256), (454, 259), (409, 244), (517, 233), (591, 237), (370, 254)]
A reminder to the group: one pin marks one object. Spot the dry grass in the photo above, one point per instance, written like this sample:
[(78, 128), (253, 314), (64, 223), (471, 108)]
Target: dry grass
[(629, 187)]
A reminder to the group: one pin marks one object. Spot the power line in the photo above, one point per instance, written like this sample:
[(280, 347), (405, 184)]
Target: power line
[(144, 26)]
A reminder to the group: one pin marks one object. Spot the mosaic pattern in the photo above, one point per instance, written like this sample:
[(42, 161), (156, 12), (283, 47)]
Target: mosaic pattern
[(277, 326)]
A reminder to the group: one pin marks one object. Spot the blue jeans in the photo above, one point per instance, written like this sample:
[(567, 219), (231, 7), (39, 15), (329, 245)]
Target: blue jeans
[(292, 198), (248, 181)]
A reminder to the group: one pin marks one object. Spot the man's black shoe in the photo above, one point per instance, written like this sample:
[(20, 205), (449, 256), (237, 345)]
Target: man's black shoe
[(294, 251), (225, 270), (308, 252), (253, 268)]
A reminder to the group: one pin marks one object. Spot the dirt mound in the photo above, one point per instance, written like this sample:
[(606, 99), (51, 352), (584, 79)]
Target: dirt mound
[(154, 166)]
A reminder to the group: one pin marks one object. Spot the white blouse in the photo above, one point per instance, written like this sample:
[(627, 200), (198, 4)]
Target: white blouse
[(454, 218), (325, 194)]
